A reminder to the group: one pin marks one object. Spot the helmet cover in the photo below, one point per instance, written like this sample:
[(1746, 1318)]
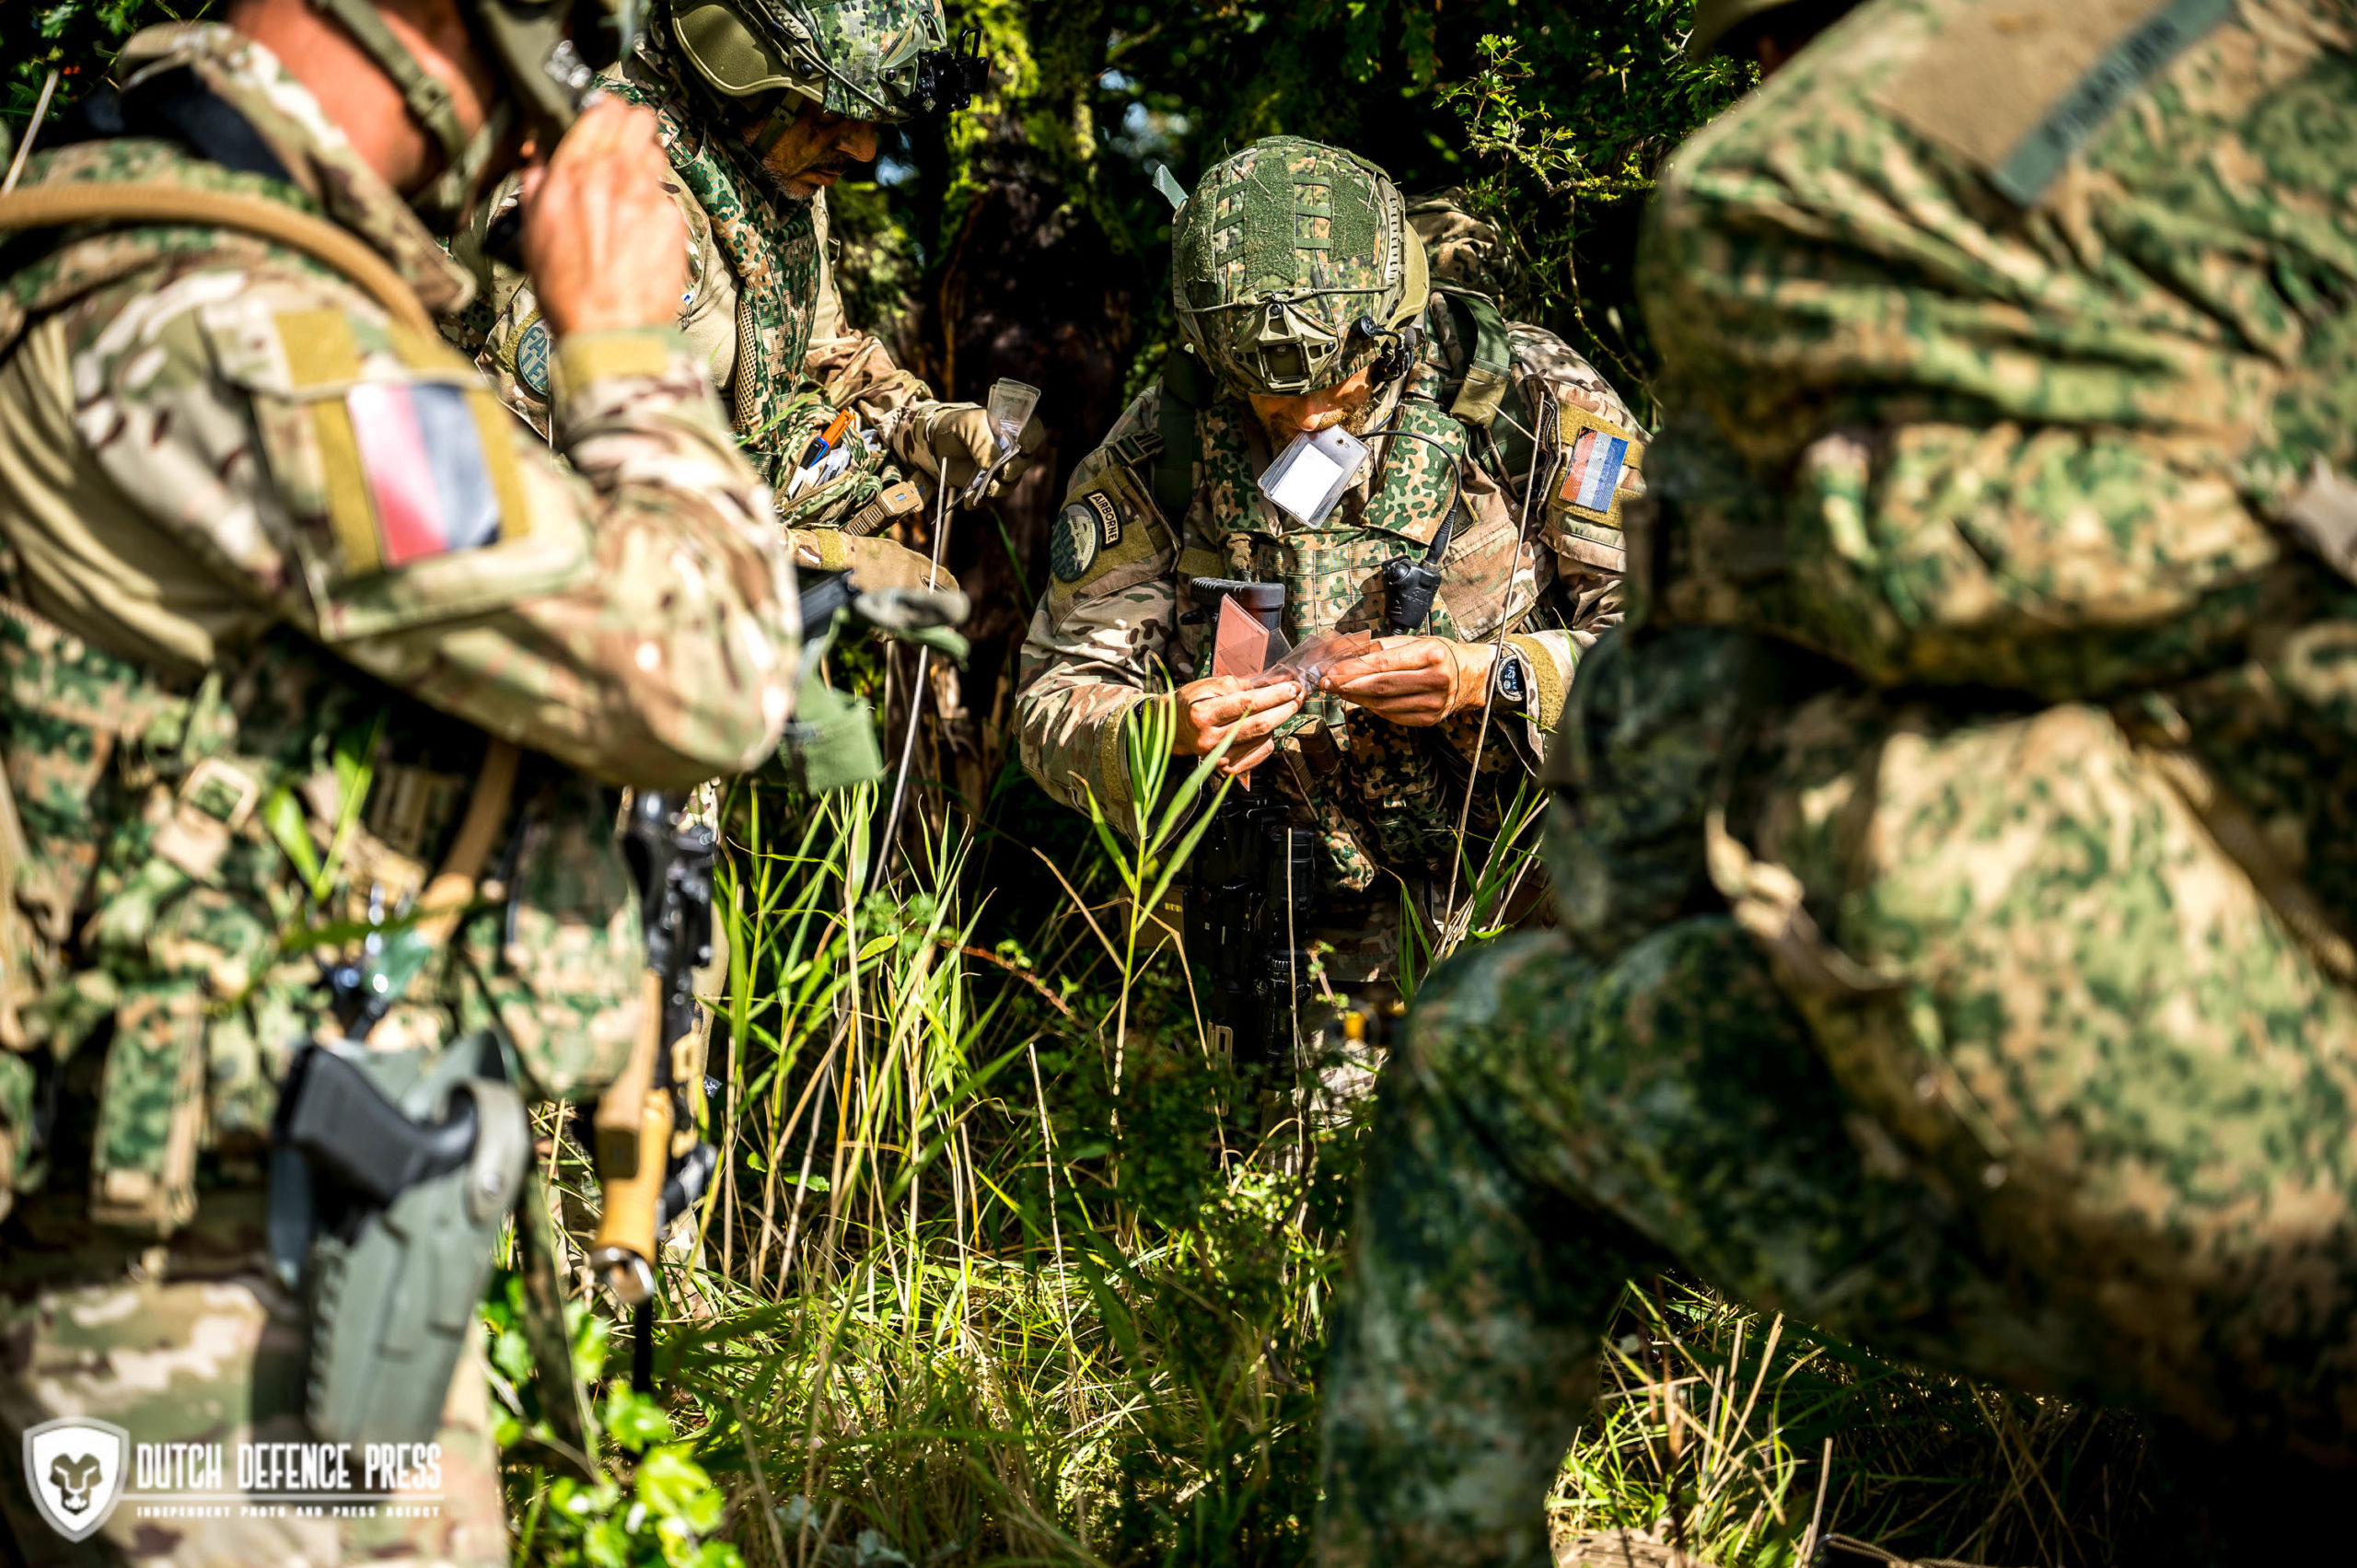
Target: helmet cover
[(862, 59), (1282, 256)]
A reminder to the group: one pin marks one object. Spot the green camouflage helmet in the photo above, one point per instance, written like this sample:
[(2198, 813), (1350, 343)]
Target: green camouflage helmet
[(1293, 265), (882, 60)]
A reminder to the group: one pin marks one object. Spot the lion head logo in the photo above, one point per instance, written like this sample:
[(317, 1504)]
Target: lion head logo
[(75, 1468), (76, 1477)]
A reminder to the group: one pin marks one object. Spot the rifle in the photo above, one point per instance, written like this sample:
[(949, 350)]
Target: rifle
[(652, 1165), (1251, 892)]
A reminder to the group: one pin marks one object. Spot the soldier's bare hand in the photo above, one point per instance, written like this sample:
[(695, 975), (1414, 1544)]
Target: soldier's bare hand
[(1413, 681), (603, 240), (1221, 707)]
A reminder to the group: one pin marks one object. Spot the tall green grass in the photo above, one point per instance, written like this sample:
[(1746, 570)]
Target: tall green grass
[(988, 1278)]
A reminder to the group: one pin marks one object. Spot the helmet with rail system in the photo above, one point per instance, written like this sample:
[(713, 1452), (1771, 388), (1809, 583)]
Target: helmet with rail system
[(1293, 266), (548, 53), (880, 60)]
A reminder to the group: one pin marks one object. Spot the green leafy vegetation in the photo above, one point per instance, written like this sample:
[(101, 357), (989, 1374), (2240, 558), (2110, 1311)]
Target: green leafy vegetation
[(994, 1269)]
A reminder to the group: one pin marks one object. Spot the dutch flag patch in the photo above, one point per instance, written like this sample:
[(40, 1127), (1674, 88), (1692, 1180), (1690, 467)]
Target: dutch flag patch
[(1592, 479)]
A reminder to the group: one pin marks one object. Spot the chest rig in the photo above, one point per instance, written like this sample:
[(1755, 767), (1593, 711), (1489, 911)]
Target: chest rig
[(1382, 795)]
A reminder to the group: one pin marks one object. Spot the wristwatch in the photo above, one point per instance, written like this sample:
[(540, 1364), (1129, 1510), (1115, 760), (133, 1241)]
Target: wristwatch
[(1506, 683)]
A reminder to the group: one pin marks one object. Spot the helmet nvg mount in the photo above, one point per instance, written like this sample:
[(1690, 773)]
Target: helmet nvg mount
[(1293, 266), (883, 59)]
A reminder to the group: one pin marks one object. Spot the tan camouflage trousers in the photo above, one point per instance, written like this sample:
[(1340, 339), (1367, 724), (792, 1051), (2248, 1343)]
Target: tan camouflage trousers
[(197, 1342), (1993, 1058)]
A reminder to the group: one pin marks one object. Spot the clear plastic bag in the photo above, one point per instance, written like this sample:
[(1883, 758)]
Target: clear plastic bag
[(1307, 665)]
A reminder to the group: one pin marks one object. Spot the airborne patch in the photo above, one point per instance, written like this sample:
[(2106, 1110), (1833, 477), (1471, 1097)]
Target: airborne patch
[(1087, 528), (1107, 537)]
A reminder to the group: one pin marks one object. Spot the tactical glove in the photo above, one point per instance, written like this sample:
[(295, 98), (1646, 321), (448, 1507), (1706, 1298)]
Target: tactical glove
[(953, 442)]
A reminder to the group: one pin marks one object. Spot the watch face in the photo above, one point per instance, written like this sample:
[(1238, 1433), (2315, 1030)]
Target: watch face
[(1510, 679)]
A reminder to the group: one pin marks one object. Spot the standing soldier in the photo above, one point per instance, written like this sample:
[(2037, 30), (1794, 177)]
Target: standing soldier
[(764, 104), (305, 637), (1497, 465), (1960, 923)]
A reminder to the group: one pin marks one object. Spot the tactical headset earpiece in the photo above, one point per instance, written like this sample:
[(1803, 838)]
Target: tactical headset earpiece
[(1399, 355)]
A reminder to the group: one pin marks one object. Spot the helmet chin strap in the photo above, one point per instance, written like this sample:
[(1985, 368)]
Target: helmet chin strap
[(464, 157)]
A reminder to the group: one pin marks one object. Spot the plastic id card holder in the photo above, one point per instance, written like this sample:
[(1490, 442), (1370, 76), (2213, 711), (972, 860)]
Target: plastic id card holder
[(1311, 474)]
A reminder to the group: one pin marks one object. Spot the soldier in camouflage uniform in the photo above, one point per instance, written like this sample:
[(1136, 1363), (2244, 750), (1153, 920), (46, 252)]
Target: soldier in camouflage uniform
[(764, 105), (282, 591), (1304, 295), (1956, 874)]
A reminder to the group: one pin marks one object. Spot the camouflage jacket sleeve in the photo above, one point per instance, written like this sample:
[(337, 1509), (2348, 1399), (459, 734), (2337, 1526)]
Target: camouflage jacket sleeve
[(505, 333), (1102, 632), (852, 366), (629, 615), (1996, 372), (1570, 500)]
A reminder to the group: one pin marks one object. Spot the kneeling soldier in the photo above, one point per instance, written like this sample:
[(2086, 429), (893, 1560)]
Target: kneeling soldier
[(1470, 531)]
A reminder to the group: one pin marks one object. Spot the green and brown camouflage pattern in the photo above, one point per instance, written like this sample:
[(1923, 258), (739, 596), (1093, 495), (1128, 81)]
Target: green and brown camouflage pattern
[(1291, 242), (760, 307), (854, 58), (2161, 339), (223, 734), (875, 45), (1382, 796), (2039, 1090), (1956, 911)]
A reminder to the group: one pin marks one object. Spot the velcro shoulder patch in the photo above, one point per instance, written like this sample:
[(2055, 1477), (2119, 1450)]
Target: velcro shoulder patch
[(1108, 536), (2018, 89), (1603, 465), (400, 472)]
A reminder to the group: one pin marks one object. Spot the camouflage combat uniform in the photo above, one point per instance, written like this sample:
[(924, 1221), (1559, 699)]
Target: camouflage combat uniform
[(274, 566), (760, 307), (1956, 883), (1384, 799)]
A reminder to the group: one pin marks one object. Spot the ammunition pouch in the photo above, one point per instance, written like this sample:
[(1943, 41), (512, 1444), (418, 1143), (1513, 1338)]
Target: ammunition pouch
[(389, 1186)]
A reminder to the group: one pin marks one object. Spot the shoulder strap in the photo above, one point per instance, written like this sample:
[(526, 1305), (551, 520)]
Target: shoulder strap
[(1485, 379), (1173, 476), (54, 206)]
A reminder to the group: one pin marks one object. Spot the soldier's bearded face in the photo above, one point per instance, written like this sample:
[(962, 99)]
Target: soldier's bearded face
[(815, 149), (1347, 402)]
